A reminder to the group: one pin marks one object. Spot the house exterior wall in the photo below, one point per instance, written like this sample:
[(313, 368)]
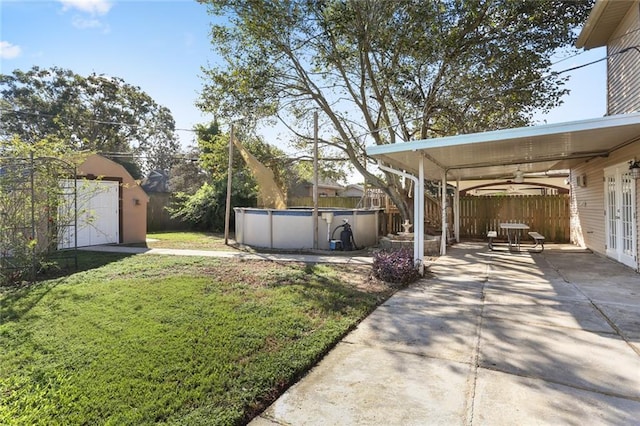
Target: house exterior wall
[(324, 192), (351, 191), (588, 202), (305, 189), (623, 84), (133, 198)]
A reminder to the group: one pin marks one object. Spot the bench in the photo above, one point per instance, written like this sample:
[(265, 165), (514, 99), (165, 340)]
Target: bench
[(491, 235), (539, 239)]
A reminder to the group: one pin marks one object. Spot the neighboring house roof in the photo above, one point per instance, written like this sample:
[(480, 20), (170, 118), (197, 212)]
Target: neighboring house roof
[(352, 190), (157, 181), (603, 20), (322, 184), (355, 186), (304, 188), (327, 184), (498, 153)]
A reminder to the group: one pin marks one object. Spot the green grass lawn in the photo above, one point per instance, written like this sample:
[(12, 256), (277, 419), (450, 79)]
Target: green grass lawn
[(187, 240), (165, 339)]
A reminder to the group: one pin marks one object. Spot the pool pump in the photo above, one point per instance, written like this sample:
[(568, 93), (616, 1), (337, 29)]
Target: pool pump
[(346, 241)]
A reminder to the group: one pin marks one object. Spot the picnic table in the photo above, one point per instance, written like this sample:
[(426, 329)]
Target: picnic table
[(515, 229)]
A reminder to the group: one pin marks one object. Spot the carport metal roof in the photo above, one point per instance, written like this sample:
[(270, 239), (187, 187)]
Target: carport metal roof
[(499, 154)]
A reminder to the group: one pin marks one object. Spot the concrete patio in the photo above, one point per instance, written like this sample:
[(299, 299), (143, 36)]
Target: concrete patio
[(491, 338)]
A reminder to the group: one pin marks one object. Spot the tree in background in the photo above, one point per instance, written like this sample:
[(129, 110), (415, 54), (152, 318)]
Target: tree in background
[(204, 208), (204, 204), (383, 72), (96, 113), (186, 175)]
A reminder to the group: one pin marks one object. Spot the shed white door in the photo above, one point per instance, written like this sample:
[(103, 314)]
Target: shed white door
[(620, 214), (98, 220)]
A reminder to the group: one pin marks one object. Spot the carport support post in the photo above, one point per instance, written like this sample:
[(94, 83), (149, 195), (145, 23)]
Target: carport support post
[(443, 238), (456, 212), (418, 226)]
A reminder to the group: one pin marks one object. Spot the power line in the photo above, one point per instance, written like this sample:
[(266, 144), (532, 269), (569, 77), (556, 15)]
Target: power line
[(194, 159), (145, 157), (551, 74), (86, 120)]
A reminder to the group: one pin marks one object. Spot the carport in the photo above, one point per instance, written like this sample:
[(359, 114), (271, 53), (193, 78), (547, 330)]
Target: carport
[(490, 155)]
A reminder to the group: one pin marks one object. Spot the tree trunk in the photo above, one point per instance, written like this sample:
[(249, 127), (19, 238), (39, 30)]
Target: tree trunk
[(393, 189)]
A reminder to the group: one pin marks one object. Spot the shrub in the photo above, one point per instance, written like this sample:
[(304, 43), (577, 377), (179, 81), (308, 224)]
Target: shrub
[(395, 266), (205, 210)]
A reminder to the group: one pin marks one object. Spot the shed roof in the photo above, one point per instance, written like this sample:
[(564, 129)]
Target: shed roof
[(501, 153)]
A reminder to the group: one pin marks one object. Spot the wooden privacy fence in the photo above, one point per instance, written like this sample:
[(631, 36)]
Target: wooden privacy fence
[(158, 218), (546, 214), (337, 202)]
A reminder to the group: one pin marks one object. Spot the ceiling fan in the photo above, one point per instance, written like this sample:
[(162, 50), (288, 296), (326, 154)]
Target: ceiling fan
[(518, 177)]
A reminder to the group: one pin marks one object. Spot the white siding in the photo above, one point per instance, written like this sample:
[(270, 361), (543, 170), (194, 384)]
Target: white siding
[(587, 207), (587, 203), (623, 70)]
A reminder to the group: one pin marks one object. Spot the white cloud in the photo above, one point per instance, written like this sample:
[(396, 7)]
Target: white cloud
[(9, 51), (94, 7)]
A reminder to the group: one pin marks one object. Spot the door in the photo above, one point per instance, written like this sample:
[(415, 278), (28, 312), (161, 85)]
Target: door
[(620, 214), (98, 215)]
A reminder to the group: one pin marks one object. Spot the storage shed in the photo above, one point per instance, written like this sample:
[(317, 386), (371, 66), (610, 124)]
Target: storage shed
[(111, 205)]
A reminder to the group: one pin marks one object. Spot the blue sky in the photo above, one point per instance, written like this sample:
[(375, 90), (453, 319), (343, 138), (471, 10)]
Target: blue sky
[(158, 45), (161, 45)]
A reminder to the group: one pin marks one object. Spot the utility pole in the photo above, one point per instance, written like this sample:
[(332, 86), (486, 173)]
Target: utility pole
[(315, 180), (227, 213)]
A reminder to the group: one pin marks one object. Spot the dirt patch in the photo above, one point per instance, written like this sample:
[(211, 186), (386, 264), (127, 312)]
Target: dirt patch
[(260, 273)]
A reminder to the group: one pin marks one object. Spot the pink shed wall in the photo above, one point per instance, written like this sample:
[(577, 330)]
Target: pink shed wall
[(133, 199)]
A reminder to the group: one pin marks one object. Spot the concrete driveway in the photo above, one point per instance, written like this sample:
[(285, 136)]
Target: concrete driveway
[(492, 338)]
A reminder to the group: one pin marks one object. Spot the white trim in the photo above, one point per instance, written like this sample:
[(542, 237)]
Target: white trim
[(419, 225), (506, 134), (620, 173), (456, 211)]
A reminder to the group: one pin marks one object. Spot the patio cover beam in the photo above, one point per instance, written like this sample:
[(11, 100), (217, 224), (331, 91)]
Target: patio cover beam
[(499, 153)]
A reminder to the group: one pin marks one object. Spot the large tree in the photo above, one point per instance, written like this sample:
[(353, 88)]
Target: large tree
[(382, 71), (97, 113)]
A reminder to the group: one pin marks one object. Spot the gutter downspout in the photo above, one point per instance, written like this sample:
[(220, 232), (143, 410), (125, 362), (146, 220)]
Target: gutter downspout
[(418, 213)]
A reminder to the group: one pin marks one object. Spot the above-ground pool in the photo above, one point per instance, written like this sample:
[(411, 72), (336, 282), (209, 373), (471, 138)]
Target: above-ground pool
[(293, 228)]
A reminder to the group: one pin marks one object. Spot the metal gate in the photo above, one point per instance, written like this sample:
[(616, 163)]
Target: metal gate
[(37, 205)]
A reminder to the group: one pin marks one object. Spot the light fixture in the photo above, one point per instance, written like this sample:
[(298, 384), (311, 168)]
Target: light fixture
[(634, 168)]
